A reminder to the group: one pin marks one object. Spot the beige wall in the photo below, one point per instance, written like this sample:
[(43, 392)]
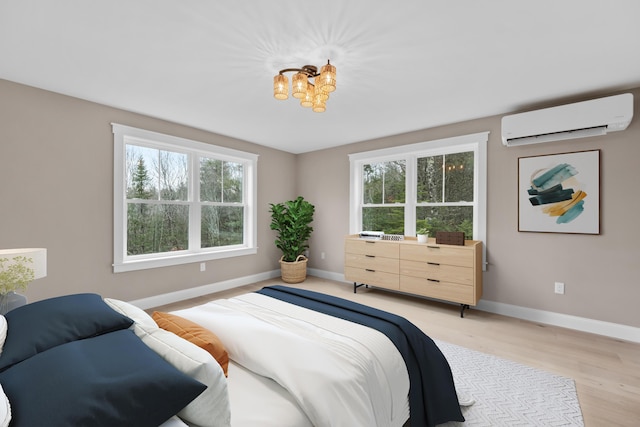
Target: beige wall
[(601, 272), (56, 169)]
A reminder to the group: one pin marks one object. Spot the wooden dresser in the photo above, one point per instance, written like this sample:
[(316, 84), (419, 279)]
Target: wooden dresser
[(445, 272)]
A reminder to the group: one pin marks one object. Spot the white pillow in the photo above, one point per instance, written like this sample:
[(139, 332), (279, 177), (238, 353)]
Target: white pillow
[(211, 408), (3, 331), (5, 409), (142, 322)]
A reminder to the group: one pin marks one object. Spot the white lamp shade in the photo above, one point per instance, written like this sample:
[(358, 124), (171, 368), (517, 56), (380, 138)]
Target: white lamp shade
[(37, 255)]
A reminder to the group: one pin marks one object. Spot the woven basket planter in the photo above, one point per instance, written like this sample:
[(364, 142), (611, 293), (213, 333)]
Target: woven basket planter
[(294, 272)]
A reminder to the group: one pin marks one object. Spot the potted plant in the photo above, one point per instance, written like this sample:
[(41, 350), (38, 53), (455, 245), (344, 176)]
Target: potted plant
[(291, 220), (422, 235)]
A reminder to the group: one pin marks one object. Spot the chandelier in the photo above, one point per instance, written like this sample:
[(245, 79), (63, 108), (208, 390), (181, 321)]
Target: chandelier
[(311, 94)]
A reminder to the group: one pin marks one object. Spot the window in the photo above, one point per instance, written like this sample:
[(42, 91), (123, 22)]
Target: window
[(445, 192), (383, 190), (178, 201), (438, 185)]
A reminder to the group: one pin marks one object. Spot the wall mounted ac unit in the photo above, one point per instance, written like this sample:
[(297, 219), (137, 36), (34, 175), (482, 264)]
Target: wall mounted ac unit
[(578, 120)]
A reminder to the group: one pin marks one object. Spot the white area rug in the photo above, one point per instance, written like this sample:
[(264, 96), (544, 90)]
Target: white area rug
[(508, 393)]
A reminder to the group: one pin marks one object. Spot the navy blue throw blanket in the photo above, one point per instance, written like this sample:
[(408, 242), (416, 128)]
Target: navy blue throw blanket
[(432, 394)]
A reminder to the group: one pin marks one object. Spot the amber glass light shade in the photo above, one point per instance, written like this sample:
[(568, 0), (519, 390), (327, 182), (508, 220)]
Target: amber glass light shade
[(327, 79), (299, 85), (280, 87), (307, 101), (319, 106), (323, 94)]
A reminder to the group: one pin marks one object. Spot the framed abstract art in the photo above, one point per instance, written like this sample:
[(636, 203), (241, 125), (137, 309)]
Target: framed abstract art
[(559, 193)]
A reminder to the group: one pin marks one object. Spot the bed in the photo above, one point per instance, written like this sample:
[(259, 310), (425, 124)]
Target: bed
[(277, 357)]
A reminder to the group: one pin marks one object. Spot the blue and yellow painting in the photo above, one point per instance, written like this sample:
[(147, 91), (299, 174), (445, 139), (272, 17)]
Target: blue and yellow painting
[(556, 191), (559, 193)]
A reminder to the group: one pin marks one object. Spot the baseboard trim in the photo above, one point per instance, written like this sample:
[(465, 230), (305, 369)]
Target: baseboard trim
[(599, 327), (323, 274), (185, 294), (609, 329)]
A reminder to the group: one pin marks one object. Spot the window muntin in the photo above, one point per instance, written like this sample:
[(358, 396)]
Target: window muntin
[(179, 201)]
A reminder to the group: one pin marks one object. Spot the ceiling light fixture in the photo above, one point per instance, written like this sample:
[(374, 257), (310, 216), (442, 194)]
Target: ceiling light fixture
[(311, 94)]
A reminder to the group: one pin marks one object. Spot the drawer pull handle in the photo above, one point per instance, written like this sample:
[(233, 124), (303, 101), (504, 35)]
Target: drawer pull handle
[(370, 256), (433, 263), (434, 280), (369, 241), (433, 247), (368, 269)]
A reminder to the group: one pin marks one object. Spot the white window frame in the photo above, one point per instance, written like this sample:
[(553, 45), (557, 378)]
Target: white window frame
[(476, 142), (123, 135)]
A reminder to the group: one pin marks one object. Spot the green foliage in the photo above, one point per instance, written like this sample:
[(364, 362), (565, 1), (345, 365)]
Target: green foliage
[(15, 275), (432, 225), (387, 219), (221, 226), (291, 220), (384, 182), (441, 180), (164, 227), (141, 181)]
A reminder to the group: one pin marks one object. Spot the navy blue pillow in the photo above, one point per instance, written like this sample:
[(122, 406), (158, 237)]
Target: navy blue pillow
[(110, 380), (41, 325)]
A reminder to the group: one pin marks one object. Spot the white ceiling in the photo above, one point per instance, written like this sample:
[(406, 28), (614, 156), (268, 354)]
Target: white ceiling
[(402, 65)]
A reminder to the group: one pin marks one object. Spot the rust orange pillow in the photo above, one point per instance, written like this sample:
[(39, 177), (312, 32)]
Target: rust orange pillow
[(195, 334)]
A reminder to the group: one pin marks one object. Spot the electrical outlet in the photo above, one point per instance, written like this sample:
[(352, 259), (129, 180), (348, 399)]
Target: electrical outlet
[(203, 266), (322, 256), (559, 288)]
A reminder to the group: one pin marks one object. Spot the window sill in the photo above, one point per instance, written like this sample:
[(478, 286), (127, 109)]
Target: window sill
[(167, 261)]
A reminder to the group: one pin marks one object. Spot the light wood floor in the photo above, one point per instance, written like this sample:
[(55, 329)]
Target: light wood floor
[(606, 370)]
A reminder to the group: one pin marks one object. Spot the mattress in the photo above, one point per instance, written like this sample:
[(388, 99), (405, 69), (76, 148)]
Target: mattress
[(292, 366)]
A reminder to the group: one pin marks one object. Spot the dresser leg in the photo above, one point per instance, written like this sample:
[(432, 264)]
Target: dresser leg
[(462, 307), (355, 286)]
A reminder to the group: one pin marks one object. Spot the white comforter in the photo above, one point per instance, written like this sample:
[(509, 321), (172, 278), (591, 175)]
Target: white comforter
[(339, 372)]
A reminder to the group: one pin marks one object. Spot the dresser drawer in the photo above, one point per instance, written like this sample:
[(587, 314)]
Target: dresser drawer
[(372, 277), (442, 272), (445, 272), (388, 249), (447, 291), (451, 255), (372, 262)]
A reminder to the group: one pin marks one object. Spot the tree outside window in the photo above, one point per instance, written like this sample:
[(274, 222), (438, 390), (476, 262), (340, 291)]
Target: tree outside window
[(445, 193), (220, 193), (384, 196), (157, 192)]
